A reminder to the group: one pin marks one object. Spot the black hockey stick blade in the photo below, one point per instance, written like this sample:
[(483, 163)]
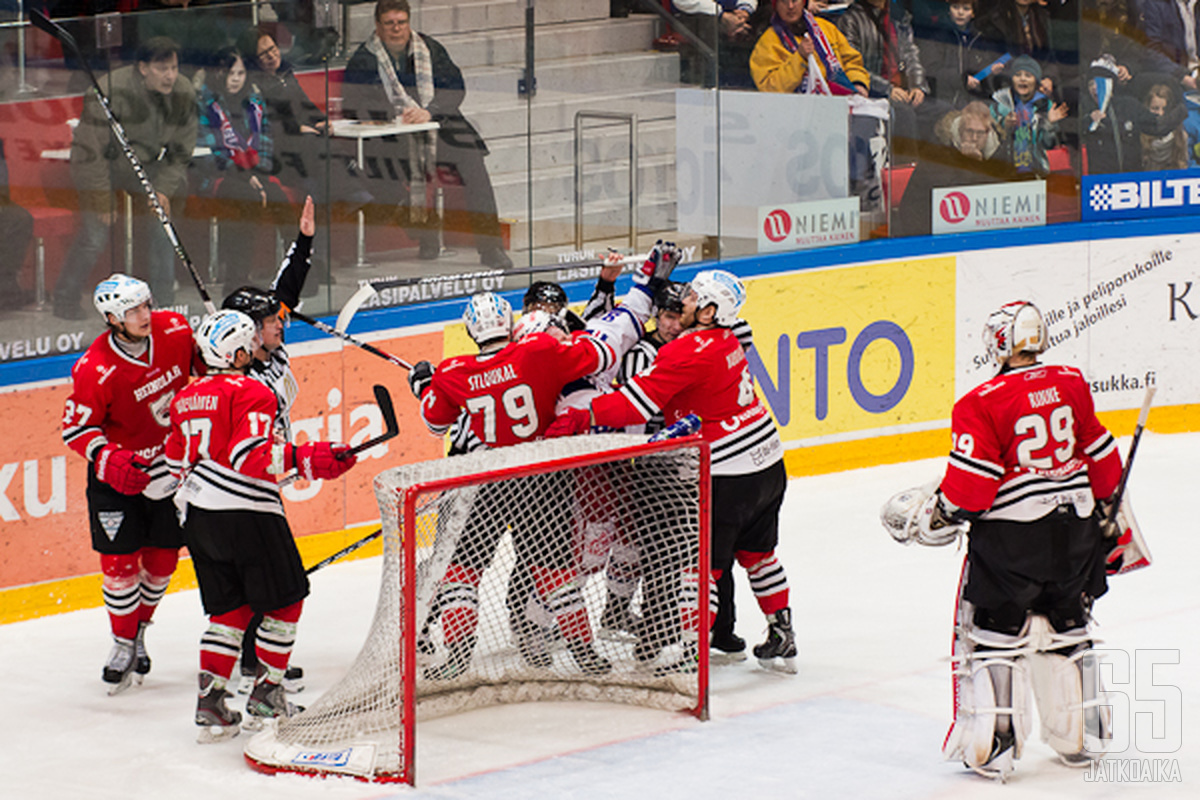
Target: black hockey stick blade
[(44, 23), (384, 401), (345, 551)]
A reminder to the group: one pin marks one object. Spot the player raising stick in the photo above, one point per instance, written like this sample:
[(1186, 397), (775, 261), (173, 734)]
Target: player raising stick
[(704, 372), (246, 561), (118, 417), (1029, 461)]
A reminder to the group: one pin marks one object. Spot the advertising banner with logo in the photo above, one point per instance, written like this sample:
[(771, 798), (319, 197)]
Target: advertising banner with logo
[(1124, 311), (1137, 195), (796, 226), (960, 209), (772, 148)]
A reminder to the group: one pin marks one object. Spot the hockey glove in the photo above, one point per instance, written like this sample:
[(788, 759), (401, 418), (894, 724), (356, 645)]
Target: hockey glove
[(419, 378), (121, 469), (571, 422), (319, 461), (659, 264)]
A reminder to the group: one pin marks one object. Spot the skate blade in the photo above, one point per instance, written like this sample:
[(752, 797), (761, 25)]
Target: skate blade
[(131, 679), (616, 635), (721, 658), (211, 734), (246, 684), (253, 724), (787, 666)]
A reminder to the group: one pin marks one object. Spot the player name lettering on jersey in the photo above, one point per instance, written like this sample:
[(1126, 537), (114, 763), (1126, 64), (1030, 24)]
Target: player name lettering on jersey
[(502, 374), (157, 384), (1044, 397), (198, 402), (735, 358)]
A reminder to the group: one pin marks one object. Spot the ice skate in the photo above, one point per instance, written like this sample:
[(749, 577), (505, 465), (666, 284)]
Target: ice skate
[(726, 647), (217, 722), (268, 701), (618, 623), (1000, 762), (119, 670), (778, 652), (587, 659), (142, 661), (248, 675), (532, 645), (458, 658)]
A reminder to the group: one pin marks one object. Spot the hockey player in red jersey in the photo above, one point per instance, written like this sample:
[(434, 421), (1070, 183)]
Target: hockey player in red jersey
[(1030, 466), (223, 448), (704, 372), (117, 417), (509, 390)]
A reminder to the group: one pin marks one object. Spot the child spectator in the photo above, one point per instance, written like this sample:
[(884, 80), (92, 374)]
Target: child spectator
[(1027, 117), (960, 68), (1169, 150)]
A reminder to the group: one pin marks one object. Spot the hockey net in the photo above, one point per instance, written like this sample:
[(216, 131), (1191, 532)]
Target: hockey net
[(563, 569)]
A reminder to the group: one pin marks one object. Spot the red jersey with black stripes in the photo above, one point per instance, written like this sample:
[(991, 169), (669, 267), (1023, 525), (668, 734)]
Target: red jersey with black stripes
[(1028, 441)]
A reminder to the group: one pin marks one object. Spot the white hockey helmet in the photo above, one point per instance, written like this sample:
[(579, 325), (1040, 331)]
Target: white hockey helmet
[(221, 335), (716, 287), (537, 321), (118, 293), (488, 317), (1013, 328)]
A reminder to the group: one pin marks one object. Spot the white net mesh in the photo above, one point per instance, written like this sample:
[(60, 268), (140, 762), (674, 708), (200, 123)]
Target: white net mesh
[(567, 581)]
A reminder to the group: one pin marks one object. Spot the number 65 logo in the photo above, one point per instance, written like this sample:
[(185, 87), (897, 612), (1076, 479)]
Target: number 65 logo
[(1146, 706)]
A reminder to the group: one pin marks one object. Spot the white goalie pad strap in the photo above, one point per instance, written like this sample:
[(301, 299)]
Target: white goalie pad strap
[(993, 702), (909, 517)]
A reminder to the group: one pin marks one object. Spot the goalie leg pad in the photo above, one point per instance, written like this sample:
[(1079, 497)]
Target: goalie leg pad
[(1070, 697), (992, 720)]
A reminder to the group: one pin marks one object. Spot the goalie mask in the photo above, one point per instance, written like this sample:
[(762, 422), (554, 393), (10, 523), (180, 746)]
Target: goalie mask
[(716, 287), (1015, 327), (488, 317), (119, 293), (221, 335)]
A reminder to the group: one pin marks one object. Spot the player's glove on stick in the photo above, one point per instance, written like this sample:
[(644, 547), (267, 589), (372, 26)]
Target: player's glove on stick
[(571, 422), (121, 469), (659, 264), (319, 460), (419, 378)]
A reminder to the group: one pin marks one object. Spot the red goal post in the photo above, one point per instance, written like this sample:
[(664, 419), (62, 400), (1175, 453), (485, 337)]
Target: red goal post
[(563, 569)]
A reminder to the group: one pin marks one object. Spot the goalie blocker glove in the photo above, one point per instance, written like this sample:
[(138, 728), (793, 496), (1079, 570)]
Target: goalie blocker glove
[(122, 470), (313, 460), (419, 378)]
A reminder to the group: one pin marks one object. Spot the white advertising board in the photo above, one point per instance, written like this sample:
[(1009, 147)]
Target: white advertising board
[(1122, 310), (796, 226), (772, 149), (960, 209)]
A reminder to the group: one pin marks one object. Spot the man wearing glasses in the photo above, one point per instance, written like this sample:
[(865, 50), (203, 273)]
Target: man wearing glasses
[(395, 75)]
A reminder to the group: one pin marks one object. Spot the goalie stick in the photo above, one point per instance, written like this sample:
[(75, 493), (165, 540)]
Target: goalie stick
[(384, 400), (44, 23), (1137, 437)]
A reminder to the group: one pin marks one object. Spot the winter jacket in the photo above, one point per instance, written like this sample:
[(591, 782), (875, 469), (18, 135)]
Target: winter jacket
[(220, 162), (858, 23), (1166, 44), (777, 70)]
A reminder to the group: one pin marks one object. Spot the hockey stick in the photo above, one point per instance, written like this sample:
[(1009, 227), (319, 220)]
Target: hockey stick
[(391, 283), (384, 400), (44, 23), (345, 551), (332, 331), (364, 293), (1133, 446)]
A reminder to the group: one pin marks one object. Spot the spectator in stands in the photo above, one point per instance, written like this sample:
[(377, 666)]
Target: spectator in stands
[(236, 129), (157, 107), (396, 75), (960, 66), (1027, 117), (1022, 27), (1116, 125), (881, 31), (1168, 150), (971, 155), (16, 229), (1172, 41), (728, 28)]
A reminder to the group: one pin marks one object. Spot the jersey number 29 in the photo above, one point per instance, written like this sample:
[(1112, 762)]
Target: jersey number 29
[(1038, 432)]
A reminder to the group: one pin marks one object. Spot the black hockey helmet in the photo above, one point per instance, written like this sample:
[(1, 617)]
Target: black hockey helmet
[(255, 303), (547, 294), (670, 297)]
